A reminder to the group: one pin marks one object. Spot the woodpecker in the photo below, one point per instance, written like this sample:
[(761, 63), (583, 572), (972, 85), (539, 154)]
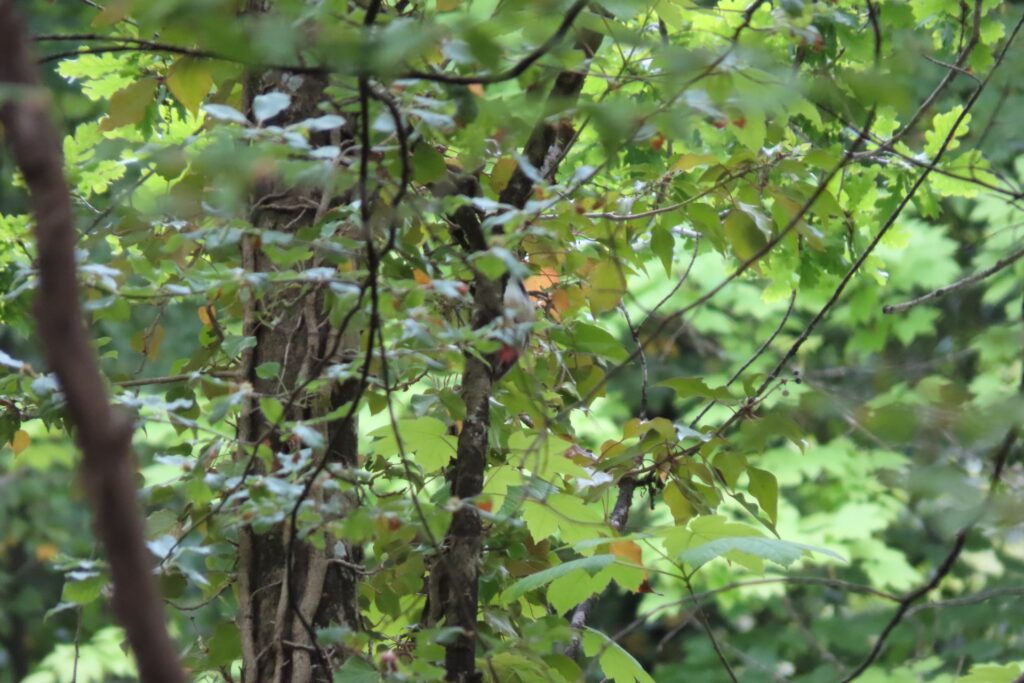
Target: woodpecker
[(514, 328)]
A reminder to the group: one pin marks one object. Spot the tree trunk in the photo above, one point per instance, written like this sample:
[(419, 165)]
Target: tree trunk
[(288, 587), (454, 582)]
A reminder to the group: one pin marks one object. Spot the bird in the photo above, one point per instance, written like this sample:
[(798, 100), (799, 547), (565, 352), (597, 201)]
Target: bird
[(514, 328)]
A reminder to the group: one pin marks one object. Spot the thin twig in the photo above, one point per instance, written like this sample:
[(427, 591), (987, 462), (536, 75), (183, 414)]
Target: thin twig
[(519, 67), (977, 599), (750, 361), (959, 284), (703, 621), (946, 79), (947, 564), (848, 277)]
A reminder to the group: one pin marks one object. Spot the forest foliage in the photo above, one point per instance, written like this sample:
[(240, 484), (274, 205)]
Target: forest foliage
[(760, 424)]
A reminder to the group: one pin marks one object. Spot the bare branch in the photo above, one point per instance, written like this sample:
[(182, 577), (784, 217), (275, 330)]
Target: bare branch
[(959, 284), (174, 379)]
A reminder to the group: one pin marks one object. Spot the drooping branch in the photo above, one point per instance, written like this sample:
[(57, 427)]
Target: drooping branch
[(108, 464)]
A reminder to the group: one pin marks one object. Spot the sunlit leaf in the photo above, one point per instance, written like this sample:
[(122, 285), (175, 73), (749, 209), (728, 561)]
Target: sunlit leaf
[(189, 80)]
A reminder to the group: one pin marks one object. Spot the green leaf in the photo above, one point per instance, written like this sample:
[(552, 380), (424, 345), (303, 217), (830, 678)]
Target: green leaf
[(189, 80), (992, 673), (268, 370), (592, 339), (677, 503), (617, 664), (663, 244), (513, 667), (607, 285), (750, 130), (84, 588), (705, 218), (10, 423), (427, 164), (225, 645), (731, 465), (491, 263), (541, 521), (128, 105), (271, 409), (357, 670), (743, 234), (502, 172), (773, 549), (943, 127), (426, 438), (703, 529), (688, 387), (765, 488), (541, 578), (569, 590)]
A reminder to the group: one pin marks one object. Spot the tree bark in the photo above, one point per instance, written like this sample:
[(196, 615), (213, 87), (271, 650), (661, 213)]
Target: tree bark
[(288, 586), (105, 436)]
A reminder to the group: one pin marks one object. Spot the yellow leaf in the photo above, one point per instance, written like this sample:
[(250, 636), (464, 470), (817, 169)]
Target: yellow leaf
[(128, 105), (20, 441), (421, 277), (611, 448), (688, 162), (502, 173), (46, 552), (447, 5), (664, 427), (115, 11), (189, 80), (545, 279), (206, 315), (628, 551), (153, 343), (631, 553), (559, 303)]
